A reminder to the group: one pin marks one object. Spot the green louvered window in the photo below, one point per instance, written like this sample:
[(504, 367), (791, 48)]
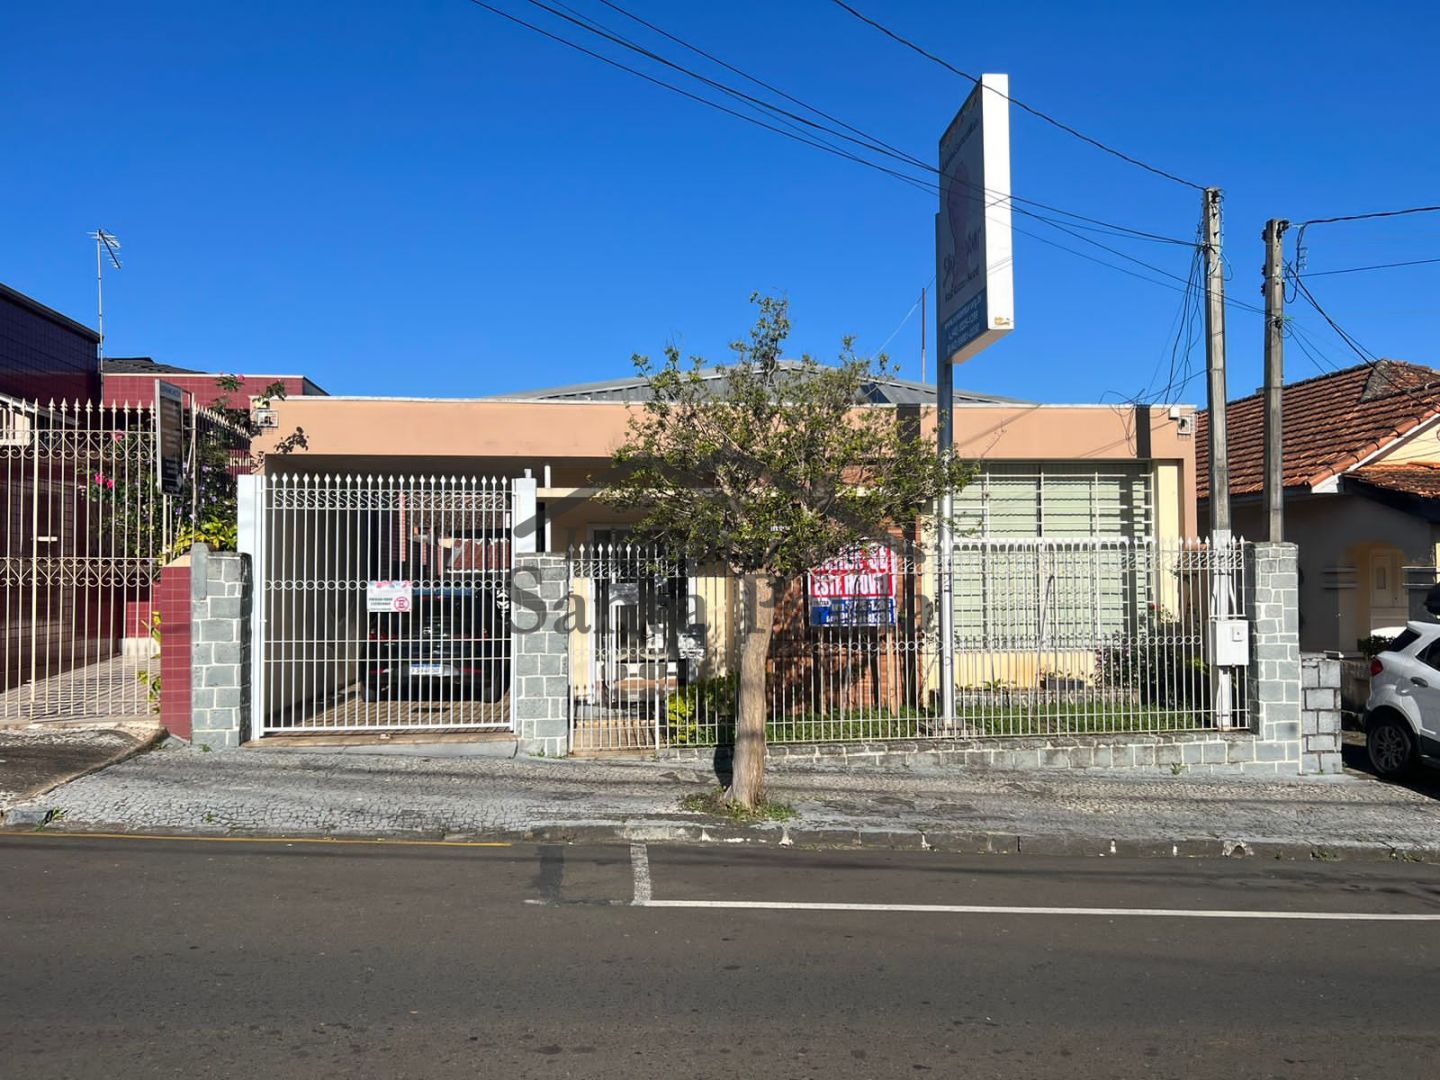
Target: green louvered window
[(1008, 597)]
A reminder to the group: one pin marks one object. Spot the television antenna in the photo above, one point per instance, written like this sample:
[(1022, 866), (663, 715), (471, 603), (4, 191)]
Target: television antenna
[(105, 244)]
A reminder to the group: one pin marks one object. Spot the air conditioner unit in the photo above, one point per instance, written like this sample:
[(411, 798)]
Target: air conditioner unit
[(16, 426), (262, 414)]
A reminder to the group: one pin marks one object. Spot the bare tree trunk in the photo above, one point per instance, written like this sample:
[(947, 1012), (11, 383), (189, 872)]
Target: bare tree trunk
[(747, 780)]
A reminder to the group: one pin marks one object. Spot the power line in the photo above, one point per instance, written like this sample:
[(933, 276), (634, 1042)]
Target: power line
[(820, 144), (1364, 269), (865, 141), (698, 98), (1018, 104), (1428, 402), (743, 74), (1368, 217)]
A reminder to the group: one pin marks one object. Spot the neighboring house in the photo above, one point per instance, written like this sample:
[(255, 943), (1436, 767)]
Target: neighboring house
[(1362, 493), (45, 356), (130, 380)]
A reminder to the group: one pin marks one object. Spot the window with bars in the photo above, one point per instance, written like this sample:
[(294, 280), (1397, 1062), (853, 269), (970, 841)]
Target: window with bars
[(1010, 596), (1060, 499)]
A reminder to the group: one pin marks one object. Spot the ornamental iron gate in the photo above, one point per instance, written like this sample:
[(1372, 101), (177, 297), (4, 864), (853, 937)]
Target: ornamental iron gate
[(85, 533), (382, 604)]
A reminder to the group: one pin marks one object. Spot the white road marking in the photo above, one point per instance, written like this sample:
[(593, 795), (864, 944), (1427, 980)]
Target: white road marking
[(640, 870), (641, 862)]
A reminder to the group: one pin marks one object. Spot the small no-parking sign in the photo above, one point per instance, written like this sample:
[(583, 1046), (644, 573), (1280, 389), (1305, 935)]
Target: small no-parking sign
[(389, 597)]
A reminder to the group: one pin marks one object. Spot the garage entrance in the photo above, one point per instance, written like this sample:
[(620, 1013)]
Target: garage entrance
[(383, 604)]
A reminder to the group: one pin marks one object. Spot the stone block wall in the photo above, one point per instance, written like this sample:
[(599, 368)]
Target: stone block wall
[(220, 604), (1321, 677), (1272, 598), (539, 653)]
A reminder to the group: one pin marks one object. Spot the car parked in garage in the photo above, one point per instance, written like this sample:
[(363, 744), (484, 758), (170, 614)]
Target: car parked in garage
[(1402, 715), (452, 644)]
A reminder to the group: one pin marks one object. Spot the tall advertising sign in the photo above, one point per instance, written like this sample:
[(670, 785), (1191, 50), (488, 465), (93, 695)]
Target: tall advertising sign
[(975, 289), (170, 438), (973, 257)]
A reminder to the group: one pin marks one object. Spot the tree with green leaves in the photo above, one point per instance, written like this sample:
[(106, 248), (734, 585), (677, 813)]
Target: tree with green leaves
[(770, 470)]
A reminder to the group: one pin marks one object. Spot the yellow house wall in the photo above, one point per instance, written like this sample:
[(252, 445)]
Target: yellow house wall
[(1422, 446)]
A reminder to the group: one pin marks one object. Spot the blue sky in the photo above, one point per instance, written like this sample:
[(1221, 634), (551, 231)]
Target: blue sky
[(418, 198)]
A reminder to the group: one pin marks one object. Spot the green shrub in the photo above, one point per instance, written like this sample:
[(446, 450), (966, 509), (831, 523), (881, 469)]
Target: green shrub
[(706, 703), (1374, 645)]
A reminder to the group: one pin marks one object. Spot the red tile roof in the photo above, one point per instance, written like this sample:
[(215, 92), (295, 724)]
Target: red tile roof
[(1332, 423), (1410, 478)]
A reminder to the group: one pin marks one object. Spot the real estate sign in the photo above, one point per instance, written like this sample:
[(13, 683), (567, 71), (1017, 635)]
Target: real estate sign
[(974, 260), (854, 589)]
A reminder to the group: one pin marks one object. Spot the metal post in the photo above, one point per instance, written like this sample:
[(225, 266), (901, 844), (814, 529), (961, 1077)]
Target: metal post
[(1222, 590), (252, 540), (100, 298), (945, 594), (1274, 380), (194, 466), (36, 439), (922, 335)]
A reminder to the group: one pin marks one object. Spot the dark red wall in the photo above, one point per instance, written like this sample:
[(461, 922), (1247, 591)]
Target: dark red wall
[(173, 602), (140, 389)]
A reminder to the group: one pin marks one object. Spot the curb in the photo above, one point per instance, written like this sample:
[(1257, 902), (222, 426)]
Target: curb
[(30, 816), (711, 832)]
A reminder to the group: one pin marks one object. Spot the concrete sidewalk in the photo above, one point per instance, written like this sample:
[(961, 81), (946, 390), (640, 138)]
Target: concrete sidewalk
[(286, 793)]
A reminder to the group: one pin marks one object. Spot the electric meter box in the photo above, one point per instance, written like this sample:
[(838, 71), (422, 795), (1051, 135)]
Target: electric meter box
[(1231, 642)]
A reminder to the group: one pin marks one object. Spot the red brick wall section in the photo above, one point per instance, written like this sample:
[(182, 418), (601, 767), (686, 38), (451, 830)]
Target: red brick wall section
[(173, 601)]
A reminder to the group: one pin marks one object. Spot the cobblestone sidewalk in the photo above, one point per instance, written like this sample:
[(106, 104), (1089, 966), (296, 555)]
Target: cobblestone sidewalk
[(281, 792)]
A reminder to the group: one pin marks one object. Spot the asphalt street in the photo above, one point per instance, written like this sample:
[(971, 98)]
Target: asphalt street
[(159, 958)]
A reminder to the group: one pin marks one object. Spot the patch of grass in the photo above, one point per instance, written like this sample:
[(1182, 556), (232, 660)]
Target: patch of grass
[(52, 816), (715, 804)]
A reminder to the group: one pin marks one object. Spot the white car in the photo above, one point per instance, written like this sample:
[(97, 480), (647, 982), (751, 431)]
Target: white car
[(1402, 715)]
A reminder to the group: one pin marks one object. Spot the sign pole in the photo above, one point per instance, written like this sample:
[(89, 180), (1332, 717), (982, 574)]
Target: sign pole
[(974, 299), (945, 439)]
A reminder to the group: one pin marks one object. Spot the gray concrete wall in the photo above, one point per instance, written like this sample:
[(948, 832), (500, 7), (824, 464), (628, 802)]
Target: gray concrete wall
[(540, 653), (1320, 682), (220, 604)]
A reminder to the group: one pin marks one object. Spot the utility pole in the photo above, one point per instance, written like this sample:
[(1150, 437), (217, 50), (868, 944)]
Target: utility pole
[(1215, 369), (1274, 380), (1222, 575)]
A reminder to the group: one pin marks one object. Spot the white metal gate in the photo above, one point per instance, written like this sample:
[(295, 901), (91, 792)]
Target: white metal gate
[(382, 604), (84, 532)]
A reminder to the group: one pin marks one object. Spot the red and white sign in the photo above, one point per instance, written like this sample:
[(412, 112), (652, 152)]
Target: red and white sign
[(862, 573), (389, 597), (854, 589)]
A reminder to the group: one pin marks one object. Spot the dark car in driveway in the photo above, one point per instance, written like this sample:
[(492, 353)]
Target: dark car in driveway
[(452, 645)]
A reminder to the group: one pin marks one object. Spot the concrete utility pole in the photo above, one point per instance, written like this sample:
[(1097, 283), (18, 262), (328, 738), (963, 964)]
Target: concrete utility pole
[(1274, 380), (1222, 580), (1215, 369)]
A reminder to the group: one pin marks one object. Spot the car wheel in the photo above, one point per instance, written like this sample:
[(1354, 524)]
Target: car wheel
[(1391, 745)]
